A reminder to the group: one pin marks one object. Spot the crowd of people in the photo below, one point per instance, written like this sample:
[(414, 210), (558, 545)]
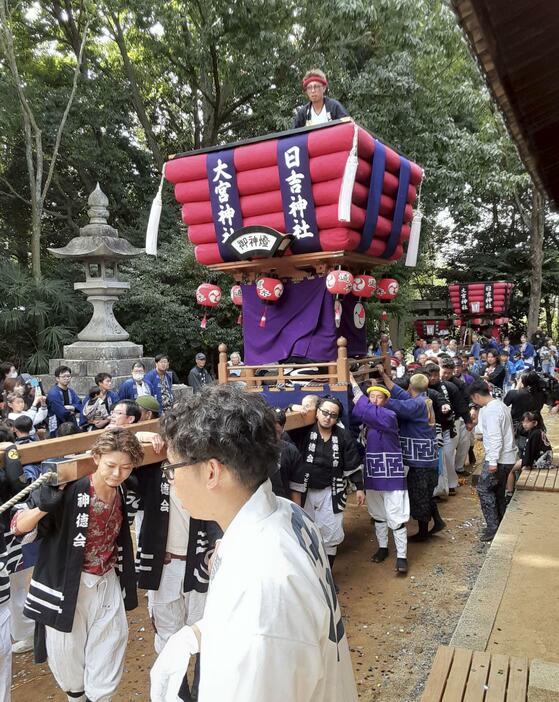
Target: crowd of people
[(399, 441)]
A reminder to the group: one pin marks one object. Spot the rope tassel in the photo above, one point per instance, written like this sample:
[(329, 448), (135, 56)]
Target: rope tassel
[(348, 180), (415, 233), (152, 230)]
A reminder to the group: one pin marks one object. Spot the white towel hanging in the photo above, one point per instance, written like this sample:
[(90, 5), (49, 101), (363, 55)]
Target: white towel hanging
[(152, 230), (348, 180)]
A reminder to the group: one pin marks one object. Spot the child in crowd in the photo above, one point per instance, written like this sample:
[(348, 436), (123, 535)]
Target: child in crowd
[(537, 452)]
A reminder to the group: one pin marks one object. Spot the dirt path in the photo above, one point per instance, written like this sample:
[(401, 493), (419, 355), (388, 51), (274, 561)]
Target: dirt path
[(394, 624)]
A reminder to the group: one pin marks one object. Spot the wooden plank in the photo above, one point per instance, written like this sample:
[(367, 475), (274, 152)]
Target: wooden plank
[(540, 480), (531, 480), (458, 677), (436, 682), (479, 672), (522, 478), (80, 466), (498, 678), (518, 680), (550, 480), (38, 451)]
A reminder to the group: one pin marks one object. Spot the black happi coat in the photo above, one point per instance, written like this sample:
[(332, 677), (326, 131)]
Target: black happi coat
[(53, 591), (346, 461), (154, 489)]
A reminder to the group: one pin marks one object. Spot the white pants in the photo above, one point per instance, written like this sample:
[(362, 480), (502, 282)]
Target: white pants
[(462, 445), (22, 628), (169, 607), (91, 656), (390, 510), (318, 506), (449, 458), (5, 653)]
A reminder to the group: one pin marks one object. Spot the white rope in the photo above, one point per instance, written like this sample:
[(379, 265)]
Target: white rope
[(26, 490)]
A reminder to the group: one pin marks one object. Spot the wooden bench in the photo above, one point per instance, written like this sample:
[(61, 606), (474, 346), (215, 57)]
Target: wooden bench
[(545, 480), (461, 675)]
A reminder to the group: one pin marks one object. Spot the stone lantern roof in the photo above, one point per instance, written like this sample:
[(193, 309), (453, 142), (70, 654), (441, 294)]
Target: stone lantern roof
[(98, 239)]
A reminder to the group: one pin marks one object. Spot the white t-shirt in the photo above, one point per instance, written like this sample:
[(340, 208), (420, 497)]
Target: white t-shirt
[(179, 523), (272, 629), (495, 425), (319, 118)]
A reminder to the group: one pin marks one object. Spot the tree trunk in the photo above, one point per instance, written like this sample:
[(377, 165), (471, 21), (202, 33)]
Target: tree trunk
[(548, 315), (536, 260), (36, 212)]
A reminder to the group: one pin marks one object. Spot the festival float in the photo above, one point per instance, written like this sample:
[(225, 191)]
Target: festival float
[(302, 220), (481, 307), (426, 328)]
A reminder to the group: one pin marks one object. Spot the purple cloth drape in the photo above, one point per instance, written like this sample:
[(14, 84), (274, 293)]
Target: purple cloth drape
[(300, 324)]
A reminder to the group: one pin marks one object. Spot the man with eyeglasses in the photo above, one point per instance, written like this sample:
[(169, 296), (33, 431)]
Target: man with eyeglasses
[(320, 108), (272, 628), (332, 459), (63, 403)]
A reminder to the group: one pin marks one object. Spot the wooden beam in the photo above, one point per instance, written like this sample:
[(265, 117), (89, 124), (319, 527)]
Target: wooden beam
[(38, 451), (287, 264), (82, 463)]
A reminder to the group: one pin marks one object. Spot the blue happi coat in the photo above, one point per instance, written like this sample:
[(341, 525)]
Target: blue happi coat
[(417, 436), (384, 467)]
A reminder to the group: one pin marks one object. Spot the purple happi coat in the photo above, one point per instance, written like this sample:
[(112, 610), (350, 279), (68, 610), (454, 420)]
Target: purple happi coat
[(384, 467)]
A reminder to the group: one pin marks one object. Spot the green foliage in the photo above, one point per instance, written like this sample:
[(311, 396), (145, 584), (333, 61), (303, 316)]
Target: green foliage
[(36, 318), (161, 312), (169, 77)]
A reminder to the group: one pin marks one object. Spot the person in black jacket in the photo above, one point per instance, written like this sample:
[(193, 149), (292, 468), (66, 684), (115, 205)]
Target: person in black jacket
[(462, 424), (199, 376), (84, 576), (447, 420), (291, 473), (320, 108), (537, 452), (529, 396)]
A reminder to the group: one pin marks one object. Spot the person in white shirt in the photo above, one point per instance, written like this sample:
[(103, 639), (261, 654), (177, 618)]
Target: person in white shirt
[(37, 412), (435, 349), (272, 628), (320, 108), (495, 425)]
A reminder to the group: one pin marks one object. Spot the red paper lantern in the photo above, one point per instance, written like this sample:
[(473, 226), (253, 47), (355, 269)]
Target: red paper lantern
[(268, 290), (237, 299), (364, 286), (457, 322), (339, 283), (477, 322), (501, 321), (387, 289), (207, 295)]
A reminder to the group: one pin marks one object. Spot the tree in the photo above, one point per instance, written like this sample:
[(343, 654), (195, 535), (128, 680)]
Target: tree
[(39, 173)]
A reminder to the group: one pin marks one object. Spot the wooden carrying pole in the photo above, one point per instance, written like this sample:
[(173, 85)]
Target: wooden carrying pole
[(79, 463)]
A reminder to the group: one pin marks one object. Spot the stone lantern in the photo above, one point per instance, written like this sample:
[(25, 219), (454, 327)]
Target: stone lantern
[(103, 344)]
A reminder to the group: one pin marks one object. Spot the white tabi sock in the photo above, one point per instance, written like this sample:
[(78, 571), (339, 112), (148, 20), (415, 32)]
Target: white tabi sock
[(401, 541), (381, 530)]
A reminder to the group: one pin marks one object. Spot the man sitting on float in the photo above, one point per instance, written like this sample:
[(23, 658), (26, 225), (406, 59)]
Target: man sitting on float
[(320, 108)]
